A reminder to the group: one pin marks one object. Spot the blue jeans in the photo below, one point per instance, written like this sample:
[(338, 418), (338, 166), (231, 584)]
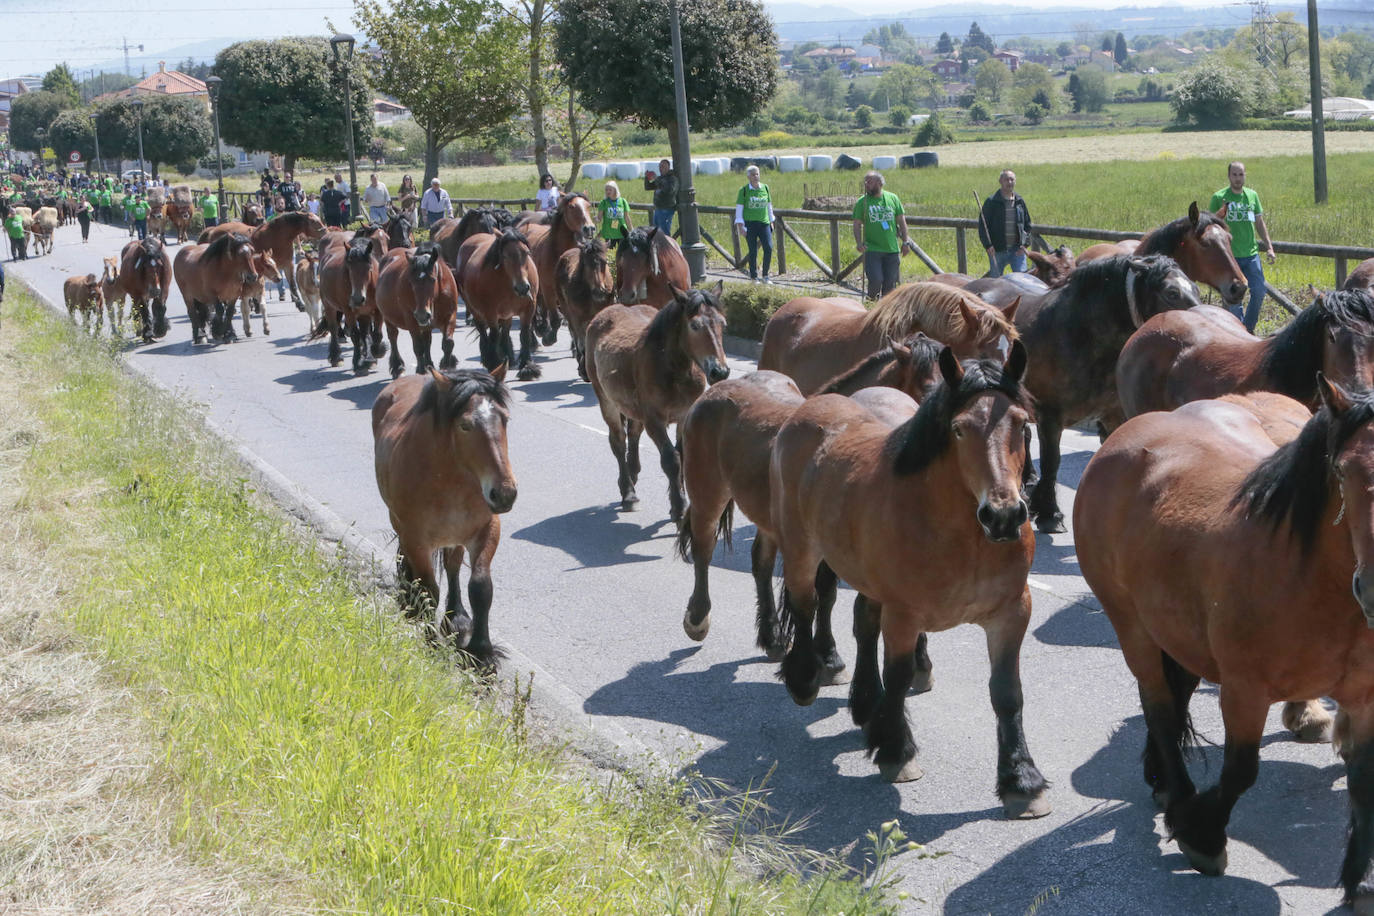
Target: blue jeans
[(141, 227), (999, 261), (663, 219), (759, 235), (1253, 269), (884, 270), (377, 214)]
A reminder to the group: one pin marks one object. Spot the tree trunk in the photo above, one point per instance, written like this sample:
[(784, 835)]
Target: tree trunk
[(289, 164), (535, 89), (575, 140), (431, 158), (152, 166)]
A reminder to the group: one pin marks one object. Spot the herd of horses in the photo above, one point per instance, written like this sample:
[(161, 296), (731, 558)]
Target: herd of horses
[(1230, 503)]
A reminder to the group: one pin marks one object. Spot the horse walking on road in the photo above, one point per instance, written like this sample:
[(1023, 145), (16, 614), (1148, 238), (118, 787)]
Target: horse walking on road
[(583, 286), (145, 275), (276, 237), (499, 283), (568, 225), (215, 275), (348, 293), (416, 292), (444, 473)]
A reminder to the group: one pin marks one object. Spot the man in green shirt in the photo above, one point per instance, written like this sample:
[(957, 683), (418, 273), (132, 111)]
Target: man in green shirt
[(879, 221), (1240, 207), (140, 214), (209, 208), (14, 228), (754, 214)]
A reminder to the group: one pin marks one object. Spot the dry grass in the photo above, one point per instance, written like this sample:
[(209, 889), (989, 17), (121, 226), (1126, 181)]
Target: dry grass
[(84, 817)]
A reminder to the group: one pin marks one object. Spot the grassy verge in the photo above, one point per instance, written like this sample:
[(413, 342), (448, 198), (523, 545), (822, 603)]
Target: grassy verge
[(303, 728)]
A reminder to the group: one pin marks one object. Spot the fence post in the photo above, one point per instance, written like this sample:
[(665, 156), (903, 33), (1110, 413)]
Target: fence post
[(961, 248), (734, 243), (781, 236), (835, 247), (1340, 271)]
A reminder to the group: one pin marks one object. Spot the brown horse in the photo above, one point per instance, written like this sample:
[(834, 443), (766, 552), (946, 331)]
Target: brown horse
[(179, 215), (927, 522), (113, 295), (648, 265), (1074, 335), (1177, 357), (726, 441), (1362, 277), (569, 224), (444, 473), (416, 292), (1199, 242), (252, 215), (1051, 268), (450, 234), (812, 340), (1163, 510), (647, 367), (582, 287), (348, 294), (254, 297), (307, 282), (498, 282), (218, 275), (400, 231), (82, 293), (276, 237), (145, 275)]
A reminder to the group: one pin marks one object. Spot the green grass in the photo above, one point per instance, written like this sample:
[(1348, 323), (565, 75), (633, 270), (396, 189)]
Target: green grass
[(308, 731)]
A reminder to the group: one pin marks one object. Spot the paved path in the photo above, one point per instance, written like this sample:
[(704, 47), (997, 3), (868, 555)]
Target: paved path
[(593, 597)]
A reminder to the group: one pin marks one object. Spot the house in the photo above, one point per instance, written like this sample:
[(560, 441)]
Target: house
[(1011, 58), (170, 82), (830, 55), (11, 88), (386, 112), (947, 69)]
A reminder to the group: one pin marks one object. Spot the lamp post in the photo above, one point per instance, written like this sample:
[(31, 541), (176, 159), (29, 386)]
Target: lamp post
[(213, 84), (343, 53), (692, 248), (142, 175), (95, 132), (39, 133)]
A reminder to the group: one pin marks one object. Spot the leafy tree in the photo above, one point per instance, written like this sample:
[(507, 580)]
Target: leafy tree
[(908, 85), (728, 49), (1072, 88), (71, 130), (1107, 42), (102, 83), (117, 123), (60, 80), (863, 117), (1035, 113), (978, 39), (1032, 83), (991, 79), (1119, 52), (945, 45), (456, 64), (1088, 86), (828, 86), (1063, 49), (933, 131), (29, 112), (199, 69), (287, 96), (175, 130), (972, 56), (979, 112), (1150, 90), (1212, 94), (856, 96), (899, 116)]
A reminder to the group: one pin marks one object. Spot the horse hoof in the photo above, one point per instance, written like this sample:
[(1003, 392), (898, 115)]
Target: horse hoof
[(923, 681), (1309, 722), (698, 631), (835, 677), (1018, 807), (529, 373), (1050, 524), (1213, 866), (629, 504), (901, 772)]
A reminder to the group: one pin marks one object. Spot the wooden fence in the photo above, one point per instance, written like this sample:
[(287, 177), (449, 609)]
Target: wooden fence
[(832, 267)]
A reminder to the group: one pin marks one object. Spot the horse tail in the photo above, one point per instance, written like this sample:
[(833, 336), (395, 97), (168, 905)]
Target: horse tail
[(684, 536), (320, 330), (725, 526), (724, 531), (1181, 685)]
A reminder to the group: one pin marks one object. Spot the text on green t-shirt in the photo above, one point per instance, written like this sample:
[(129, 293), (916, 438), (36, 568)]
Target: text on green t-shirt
[(755, 202), (879, 216), (1241, 210)]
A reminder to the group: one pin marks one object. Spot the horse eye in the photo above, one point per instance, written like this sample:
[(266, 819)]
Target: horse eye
[(695, 324), (465, 425), (958, 433)]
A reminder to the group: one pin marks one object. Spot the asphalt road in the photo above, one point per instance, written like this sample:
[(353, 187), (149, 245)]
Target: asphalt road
[(594, 598)]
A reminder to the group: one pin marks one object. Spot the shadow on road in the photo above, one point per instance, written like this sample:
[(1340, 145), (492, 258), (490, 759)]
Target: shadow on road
[(617, 533), (361, 396)]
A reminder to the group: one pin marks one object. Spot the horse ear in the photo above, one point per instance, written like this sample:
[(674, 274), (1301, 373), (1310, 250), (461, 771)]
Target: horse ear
[(969, 316), (677, 294), (1192, 213), (1015, 366), (719, 290), (499, 373), (443, 381), (950, 368), (1335, 398), (1010, 310)]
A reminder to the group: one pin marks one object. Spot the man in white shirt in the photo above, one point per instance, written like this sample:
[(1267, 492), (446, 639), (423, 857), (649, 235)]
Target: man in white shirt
[(435, 204), (375, 198), (340, 183)]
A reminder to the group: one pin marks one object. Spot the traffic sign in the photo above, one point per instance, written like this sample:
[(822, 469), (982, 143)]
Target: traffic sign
[(74, 157)]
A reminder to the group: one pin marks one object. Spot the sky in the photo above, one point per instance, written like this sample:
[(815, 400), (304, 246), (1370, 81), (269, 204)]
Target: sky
[(34, 36)]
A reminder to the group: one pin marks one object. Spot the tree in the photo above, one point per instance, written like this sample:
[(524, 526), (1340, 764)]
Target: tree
[(287, 96), (945, 45), (1150, 90), (541, 79), (991, 79), (101, 83), (31, 111), (456, 64), (175, 130), (71, 131), (1287, 41), (1088, 86), (1072, 88), (60, 80), (728, 49), (1035, 113), (1032, 83), (1063, 49), (1212, 95), (908, 85), (933, 131), (899, 116), (978, 39), (828, 86), (1107, 42), (1119, 52), (863, 117), (199, 69), (856, 96), (979, 112)]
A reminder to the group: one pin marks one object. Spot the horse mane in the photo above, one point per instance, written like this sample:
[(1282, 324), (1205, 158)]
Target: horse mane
[(934, 309), (478, 220), (359, 248), (446, 405), (1167, 238), (640, 243), (422, 263), (1293, 485), (555, 216), (152, 247), (924, 355), (219, 248), (665, 323), (926, 436), (1295, 353), (595, 249), (505, 237), (1103, 277)]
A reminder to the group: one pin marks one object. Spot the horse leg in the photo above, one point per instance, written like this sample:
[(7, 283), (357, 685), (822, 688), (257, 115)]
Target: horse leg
[(1308, 720), (1020, 785), (773, 629), (266, 328), (230, 335), (552, 321), (247, 315), (633, 430), (479, 595), (1199, 822), (866, 690), (1358, 752), (1044, 503), (420, 588), (672, 467), (454, 623), (615, 430), (888, 733), (507, 349), (424, 341), (485, 348), (378, 346), (924, 679), (358, 335), (396, 364), (1029, 477), (197, 323), (335, 349), (827, 584), (801, 666), (527, 368), (448, 360)]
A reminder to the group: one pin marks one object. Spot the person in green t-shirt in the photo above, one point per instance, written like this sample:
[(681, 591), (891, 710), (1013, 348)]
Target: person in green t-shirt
[(209, 208), (140, 214), (615, 215), (879, 221), (105, 210), (1240, 207), (14, 228), (754, 215)]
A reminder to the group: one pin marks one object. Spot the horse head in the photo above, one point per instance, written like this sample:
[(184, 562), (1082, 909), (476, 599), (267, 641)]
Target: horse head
[(315, 227), (361, 268), (575, 214), (399, 231), (93, 290), (510, 254), (1348, 452), (916, 367), (111, 272), (1055, 267), (703, 329), (594, 271), (1156, 283), (1203, 250), (1345, 339), (636, 260), (475, 406), (265, 266), (423, 267)]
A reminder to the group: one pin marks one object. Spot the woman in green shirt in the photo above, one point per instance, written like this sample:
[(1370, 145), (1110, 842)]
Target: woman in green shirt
[(754, 213), (615, 215)]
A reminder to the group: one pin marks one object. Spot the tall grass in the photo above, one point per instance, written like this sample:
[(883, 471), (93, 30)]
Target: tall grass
[(309, 731)]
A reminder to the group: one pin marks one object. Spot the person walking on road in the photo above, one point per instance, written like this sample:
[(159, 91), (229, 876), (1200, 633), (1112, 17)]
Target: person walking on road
[(375, 198), (209, 209), (754, 216), (1004, 227), (879, 222), (140, 214), (435, 204), (14, 228), (664, 186), (83, 218), (1240, 207)]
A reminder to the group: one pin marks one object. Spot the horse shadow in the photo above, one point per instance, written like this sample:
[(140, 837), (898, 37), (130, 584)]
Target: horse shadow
[(616, 536), (361, 396), (553, 390), (1112, 853), (1080, 622), (173, 348)]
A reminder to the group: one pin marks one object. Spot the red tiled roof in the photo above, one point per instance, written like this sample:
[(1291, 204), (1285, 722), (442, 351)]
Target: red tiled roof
[(170, 82)]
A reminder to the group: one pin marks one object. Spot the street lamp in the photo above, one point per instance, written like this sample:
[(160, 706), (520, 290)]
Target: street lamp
[(692, 248), (95, 132), (39, 133), (142, 175), (213, 84), (343, 53)]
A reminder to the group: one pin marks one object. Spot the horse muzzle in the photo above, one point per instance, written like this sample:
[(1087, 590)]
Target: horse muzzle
[(500, 497), (423, 317), (522, 289), (716, 371), (1234, 292), (1364, 594), (1002, 524), (355, 302)]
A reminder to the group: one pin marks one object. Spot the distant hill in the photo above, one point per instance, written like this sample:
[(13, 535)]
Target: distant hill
[(147, 62)]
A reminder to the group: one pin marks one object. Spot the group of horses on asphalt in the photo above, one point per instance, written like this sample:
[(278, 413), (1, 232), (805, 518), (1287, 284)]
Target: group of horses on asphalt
[(1226, 523)]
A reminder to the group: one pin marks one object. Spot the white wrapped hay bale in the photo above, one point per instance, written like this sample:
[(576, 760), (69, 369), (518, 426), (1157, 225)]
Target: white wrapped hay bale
[(625, 171), (791, 163), (594, 170), (819, 163), (710, 167), (884, 162)]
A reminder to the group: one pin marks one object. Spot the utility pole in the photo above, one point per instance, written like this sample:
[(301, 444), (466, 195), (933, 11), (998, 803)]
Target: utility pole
[(692, 248), (1314, 58)]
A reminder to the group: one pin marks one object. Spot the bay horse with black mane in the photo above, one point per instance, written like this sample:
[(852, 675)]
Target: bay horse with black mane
[(444, 473), (215, 275), (1074, 336), (1199, 242), (925, 520), (647, 367), (1163, 511), (649, 264), (726, 440), (276, 237), (348, 294), (450, 234), (416, 293), (566, 226), (583, 286), (145, 274), (499, 283)]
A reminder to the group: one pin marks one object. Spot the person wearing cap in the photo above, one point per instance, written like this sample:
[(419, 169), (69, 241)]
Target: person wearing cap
[(879, 222), (754, 215), (435, 203)]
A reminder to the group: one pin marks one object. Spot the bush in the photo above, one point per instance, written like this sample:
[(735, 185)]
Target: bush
[(967, 99), (775, 138), (226, 162), (933, 131), (978, 112), (1213, 95), (188, 167), (1035, 113), (863, 117), (748, 307), (899, 116)]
